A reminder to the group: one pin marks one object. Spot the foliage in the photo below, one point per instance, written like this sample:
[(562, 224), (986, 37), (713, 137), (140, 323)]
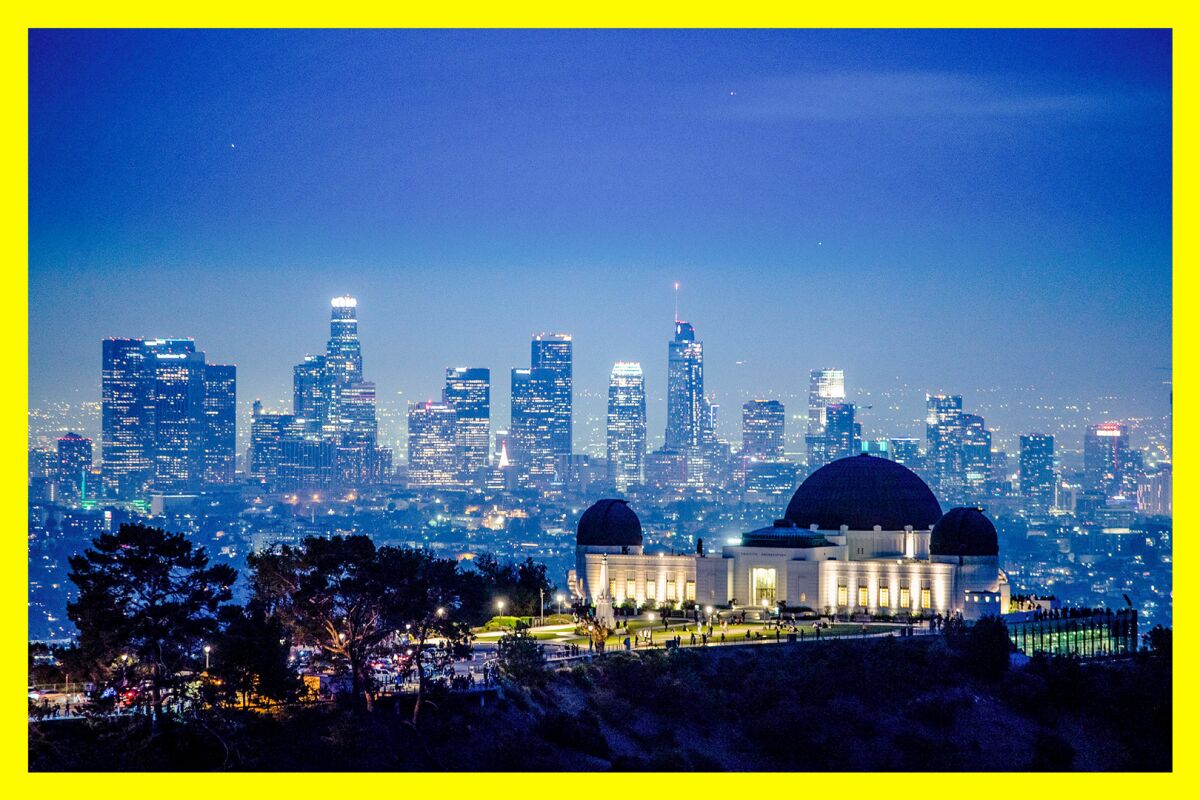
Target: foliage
[(250, 657), (522, 658), (522, 585)]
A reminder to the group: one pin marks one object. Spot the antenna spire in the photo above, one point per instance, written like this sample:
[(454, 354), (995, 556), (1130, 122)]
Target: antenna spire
[(677, 301)]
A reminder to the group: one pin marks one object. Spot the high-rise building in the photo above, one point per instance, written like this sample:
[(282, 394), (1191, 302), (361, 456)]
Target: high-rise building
[(825, 386), (1154, 492), (1106, 458), (433, 460), (626, 425), (73, 467), (220, 423), (267, 432), (841, 432), (468, 391), (1036, 471), (179, 423), (310, 389), (906, 451), (532, 428), (343, 355), (127, 418), (687, 408), (553, 352), (944, 441), (762, 429), (976, 453), (359, 434)]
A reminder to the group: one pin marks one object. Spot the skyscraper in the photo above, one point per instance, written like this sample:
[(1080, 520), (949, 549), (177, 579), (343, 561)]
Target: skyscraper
[(74, 464), (1036, 471), (626, 425), (1106, 457), (343, 356), (267, 432), (179, 424), (825, 386), (687, 408), (220, 423), (906, 451), (127, 420), (841, 433), (433, 460), (976, 453), (468, 391), (553, 352), (944, 438), (310, 389), (762, 429), (531, 432), (359, 434)]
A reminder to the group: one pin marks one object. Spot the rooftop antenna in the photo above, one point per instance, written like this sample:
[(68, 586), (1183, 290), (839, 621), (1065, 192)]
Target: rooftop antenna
[(677, 301)]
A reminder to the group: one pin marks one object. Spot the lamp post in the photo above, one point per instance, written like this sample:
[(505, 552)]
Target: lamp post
[(207, 651), (542, 600), (499, 608), (559, 598)]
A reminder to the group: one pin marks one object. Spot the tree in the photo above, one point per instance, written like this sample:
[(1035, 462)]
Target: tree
[(523, 585), (251, 656), (150, 596), (521, 657), (988, 648)]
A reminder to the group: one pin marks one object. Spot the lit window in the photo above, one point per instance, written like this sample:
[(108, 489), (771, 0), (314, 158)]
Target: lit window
[(885, 597), (862, 596), (651, 590), (843, 596), (671, 590), (803, 597), (905, 601), (925, 599), (612, 588), (689, 589), (630, 587)]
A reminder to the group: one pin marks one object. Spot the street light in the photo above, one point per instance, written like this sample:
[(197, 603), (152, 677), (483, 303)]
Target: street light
[(500, 608), (207, 650), (559, 598), (441, 612)]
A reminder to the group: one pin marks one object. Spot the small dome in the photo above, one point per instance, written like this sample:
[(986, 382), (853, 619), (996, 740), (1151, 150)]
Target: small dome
[(861, 492), (609, 523), (964, 532)]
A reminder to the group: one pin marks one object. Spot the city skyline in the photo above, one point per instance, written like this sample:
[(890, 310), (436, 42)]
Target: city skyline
[(828, 237)]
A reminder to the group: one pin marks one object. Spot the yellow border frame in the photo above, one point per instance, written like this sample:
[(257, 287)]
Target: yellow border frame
[(620, 13)]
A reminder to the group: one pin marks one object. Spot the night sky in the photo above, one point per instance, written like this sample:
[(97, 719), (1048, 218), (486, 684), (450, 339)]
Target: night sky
[(947, 210)]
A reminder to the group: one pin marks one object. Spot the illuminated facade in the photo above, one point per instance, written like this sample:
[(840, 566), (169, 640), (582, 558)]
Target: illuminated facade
[(626, 428), (531, 432), (862, 535), (432, 446), (825, 386), (762, 429), (469, 392), (1106, 458), (553, 352), (1036, 472), (220, 424), (74, 464)]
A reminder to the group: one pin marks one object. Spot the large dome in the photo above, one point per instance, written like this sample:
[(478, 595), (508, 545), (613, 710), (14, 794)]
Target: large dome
[(861, 492), (609, 523), (964, 532)]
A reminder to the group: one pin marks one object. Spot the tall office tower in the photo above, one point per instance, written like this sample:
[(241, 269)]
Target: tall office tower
[(1037, 471), (127, 419), (179, 424), (74, 464), (1154, 492), (359, 433), (532, 425), (905, 451), (220, 423), (343, 357), (976, 452), (687, 408), (469, 392), (432, 446), (1106, 457), (944, 440), (841, 433), (626, 425), (825, 386), (553, 352), (267, 432), (762, 429), (310, 389)]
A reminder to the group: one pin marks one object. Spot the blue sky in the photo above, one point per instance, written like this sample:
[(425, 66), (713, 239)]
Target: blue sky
[(945, 209)]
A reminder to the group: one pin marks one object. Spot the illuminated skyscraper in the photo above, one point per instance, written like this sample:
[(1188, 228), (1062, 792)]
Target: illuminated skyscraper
[(976, 454), (310, 389), (127, 418), (220, 423), (944, 438), (626, 425), (267, 432), (762, 429), (1036, 472), (74, 466), (468, 391), (687, 408), (1106, 457), (825, 386), (343, 356), (905, 451), (531, 432), (179, 425), (433, 460), (553, 352), (841, 439)]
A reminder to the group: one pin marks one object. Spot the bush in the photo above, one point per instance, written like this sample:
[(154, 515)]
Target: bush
[(521, 657)]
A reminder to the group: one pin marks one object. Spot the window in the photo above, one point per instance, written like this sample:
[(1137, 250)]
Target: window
[(843, 596), (885, 597), (651, 590), (762, 586), (925, 600), (612, 588), (689, 590), (671, 590), (803, 597), (862, 596), (630, 587), (905, 602)]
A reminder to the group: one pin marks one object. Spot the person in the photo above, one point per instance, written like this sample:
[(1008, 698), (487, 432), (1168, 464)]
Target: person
[(722, 637), (693, 642)]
